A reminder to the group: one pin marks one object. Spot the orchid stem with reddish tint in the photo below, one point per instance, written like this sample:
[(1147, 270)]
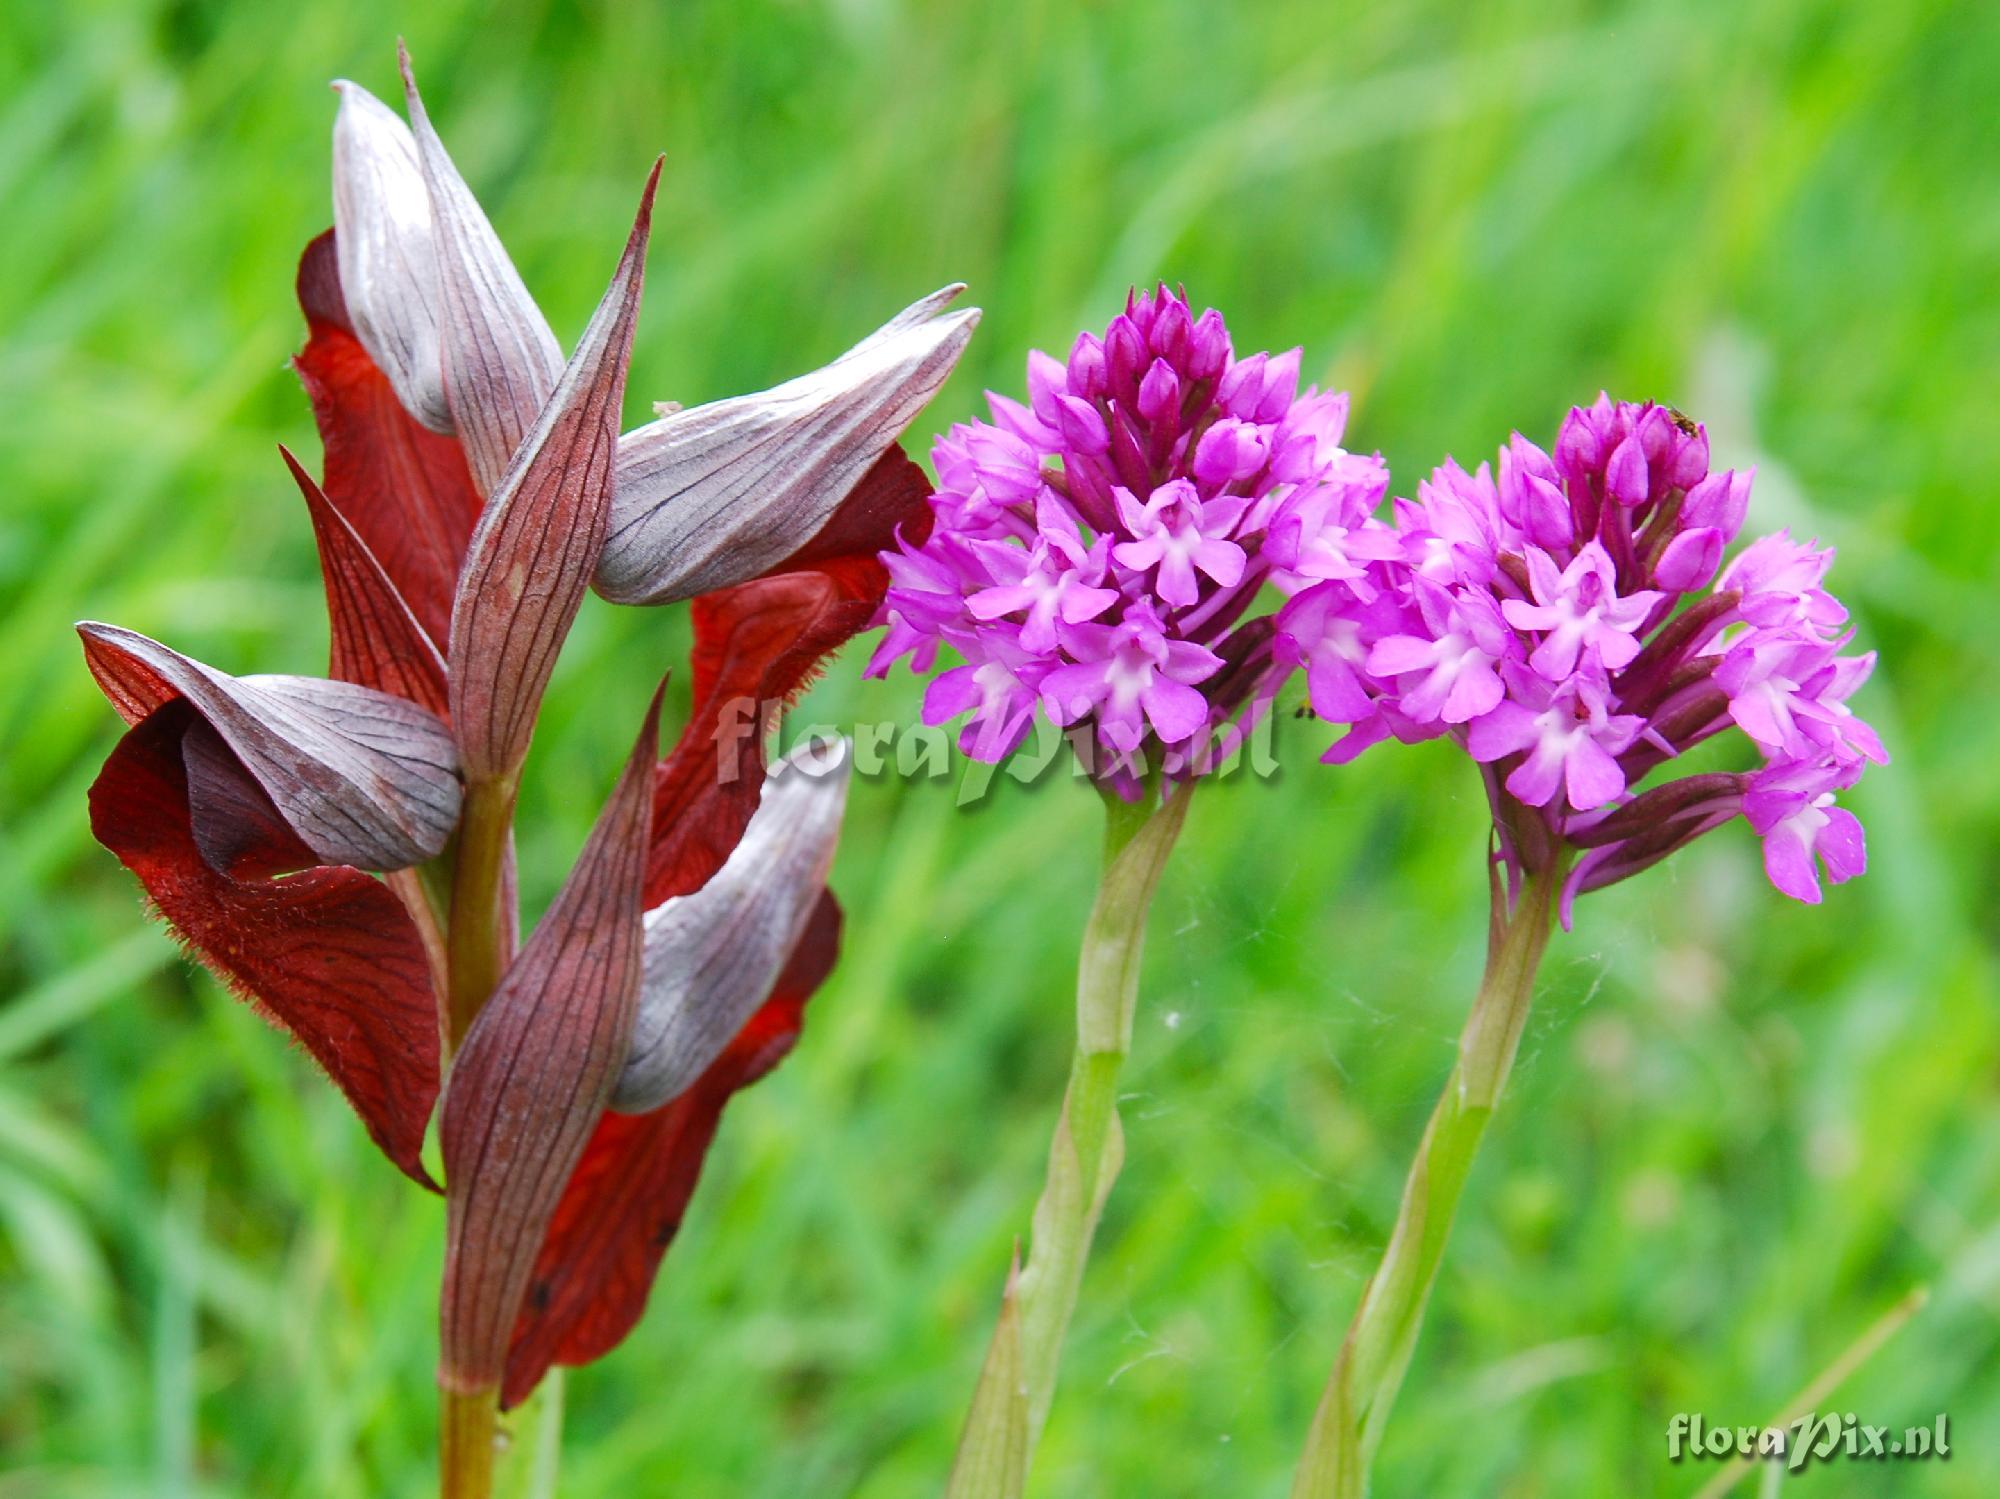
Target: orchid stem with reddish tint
[(476, 955), (1011, 1404), (480, 926), (1347, 1428), (476, 943)]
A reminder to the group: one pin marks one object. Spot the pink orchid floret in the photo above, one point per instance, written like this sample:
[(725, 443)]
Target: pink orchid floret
[(1447, 669), (1566, 736), (1791, 807), (1132, 677), (1578, 610), (1095, 552), (1571, 622)]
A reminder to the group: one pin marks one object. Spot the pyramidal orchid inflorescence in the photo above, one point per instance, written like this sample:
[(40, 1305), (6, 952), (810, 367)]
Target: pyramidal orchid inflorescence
[(1570, 622), (1567, 618), (1093, 556), (1094, 552)]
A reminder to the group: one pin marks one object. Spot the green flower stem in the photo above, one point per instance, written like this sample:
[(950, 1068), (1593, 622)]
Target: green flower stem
[(468, 1436), (1347, 1428), (485, 1455), (1018, 1383), (480, 925)]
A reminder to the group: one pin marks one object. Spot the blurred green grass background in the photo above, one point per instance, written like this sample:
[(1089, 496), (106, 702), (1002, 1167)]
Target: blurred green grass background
[(1741, 1128)]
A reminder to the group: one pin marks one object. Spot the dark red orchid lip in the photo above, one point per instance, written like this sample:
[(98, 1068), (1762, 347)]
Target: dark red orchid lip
[(328, 954)]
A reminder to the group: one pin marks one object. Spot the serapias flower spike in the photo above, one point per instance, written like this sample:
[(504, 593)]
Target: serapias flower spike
[(257, 810)]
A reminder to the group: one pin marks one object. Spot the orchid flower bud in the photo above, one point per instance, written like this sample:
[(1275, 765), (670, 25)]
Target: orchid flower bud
[(1721, 500), (1626, 478), (1087, 370), (1046, 380), (1159, 394), (1689, 560)]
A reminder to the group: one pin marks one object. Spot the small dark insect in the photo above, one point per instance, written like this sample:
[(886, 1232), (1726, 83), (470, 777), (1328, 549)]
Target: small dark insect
[(1682, 420)]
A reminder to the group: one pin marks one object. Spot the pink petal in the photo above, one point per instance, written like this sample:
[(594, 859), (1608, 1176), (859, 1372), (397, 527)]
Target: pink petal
[(1070, 692), (1545, 579), (1176, 581), (1336, 693), (991, 603), (1756, 714), (1843, 845), (1080, 604), (1474, 691), (1363, 736), (1221, 560), (1523, 615), (1536, 778), (951, 693), (1396, 654), (1175, 710), (1789, 863), (1614, 647), (1189, 662), (1144, 552), (1504, 730), (1591, 776), (1555, 657)]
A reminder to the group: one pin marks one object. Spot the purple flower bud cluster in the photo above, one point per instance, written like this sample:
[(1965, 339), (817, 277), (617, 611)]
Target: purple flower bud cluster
[(1541, 616), (1094, 552)]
